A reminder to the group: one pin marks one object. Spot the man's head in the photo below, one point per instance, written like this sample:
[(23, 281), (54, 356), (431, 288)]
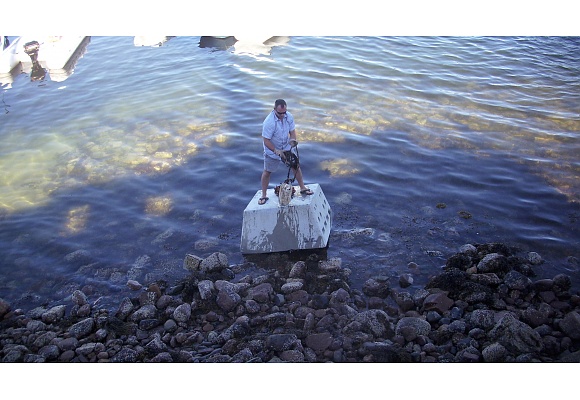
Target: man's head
[(280, 108)]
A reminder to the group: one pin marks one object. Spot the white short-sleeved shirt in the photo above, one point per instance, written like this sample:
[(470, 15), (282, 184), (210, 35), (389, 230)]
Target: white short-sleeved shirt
[(278, 131)]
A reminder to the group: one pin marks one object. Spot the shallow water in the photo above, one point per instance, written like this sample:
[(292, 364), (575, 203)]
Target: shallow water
[(420, 145)]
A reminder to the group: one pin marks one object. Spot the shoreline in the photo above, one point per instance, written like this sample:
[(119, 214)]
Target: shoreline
[(483, 307)]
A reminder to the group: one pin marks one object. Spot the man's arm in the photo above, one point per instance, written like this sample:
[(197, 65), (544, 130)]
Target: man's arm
[(268, 143)]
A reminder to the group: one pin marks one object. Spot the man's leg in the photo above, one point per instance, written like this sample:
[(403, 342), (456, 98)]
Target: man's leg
[(265, 181), (301, 180)]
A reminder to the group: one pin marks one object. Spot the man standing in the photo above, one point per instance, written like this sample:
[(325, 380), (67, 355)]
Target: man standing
[(279, 135)]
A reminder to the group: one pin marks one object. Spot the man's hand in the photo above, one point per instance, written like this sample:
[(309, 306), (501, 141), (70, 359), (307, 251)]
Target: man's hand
[(293, 142), (280, 154)]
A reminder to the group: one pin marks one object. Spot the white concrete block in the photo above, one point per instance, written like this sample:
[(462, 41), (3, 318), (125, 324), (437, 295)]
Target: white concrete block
[(301, 225)]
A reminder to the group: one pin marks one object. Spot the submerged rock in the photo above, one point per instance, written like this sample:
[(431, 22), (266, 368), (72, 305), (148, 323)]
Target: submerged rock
[(308, 312)]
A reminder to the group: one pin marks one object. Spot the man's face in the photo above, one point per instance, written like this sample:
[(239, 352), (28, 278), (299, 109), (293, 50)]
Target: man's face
[(280, 111)]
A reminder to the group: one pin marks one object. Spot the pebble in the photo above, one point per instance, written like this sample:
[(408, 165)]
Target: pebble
[(480, 309)]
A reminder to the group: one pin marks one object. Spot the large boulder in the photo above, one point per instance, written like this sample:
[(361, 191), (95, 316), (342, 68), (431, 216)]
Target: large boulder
[(516, 336)]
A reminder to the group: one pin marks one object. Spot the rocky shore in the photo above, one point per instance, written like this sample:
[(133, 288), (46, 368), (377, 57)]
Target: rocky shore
[(484, 306)]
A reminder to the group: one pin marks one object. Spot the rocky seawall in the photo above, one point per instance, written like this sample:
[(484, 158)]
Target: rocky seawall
[(483, 307)]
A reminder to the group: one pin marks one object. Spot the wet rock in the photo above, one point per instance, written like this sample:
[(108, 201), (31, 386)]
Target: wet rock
[(493, 262), (534, 258), (404, 300), (484, 319), (281, 342), (291, 287), (126, 354), (125, 308), (515, 335), (418, 325), (437, 302), (182, 313), (228, 299), (298, 270), (148, 311), (79, 298), (192, 262), (206, 289), (494, 353), (387, 353), (214, 263), (570, 325), (134, 285), (405, 280), (82, 328), (517, 281), (261, 293), (376, 287), (53, 315), (319, 342), (375, 322)]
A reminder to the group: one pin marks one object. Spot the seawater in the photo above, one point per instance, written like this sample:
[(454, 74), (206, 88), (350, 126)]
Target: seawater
[(420, 144)]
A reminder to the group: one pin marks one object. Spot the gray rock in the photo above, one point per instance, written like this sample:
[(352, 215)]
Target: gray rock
[(49, 352), (125, 355), (44, 339), (164, 357), (82, 328), (182, 313), (570, 325), (261, 293), (331, 265), (494, 353), (375, 322), (148, 311), (419, 325), (54, 314), (437, 302), (252, 306), (292, 356), (517, 281), (376, 288), (134, 285), (155, 346), (206, 289), (468, 249), (36, 326), (404, 300), (516, 336), (228, 300), (125, 308), (79, 298), (298, 270), (163, 302), (534, 258), (70, 343), (282, 342), (493, 262), (405, 280), (214, 263), (86, 349), (291, 287), (192, 262), (484, 319), (318, 341)]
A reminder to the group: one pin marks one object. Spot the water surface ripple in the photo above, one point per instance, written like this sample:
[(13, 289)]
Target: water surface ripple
[(420, 144)]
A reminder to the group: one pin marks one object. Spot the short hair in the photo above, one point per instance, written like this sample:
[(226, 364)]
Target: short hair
[(279, 102)]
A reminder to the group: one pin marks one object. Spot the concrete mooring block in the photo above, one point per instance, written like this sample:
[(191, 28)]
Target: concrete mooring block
[(301, 225)]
